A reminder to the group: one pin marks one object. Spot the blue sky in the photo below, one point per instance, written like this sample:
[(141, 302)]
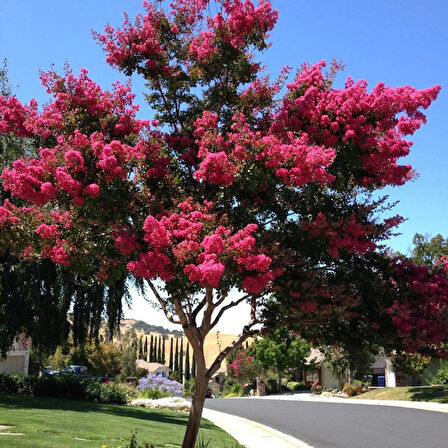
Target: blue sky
[(394, 41)]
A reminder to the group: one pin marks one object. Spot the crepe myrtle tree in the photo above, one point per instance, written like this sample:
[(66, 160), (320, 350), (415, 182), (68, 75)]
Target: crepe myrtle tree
[(240, 189)]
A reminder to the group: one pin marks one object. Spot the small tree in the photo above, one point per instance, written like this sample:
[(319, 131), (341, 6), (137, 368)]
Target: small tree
[(413, 364), (245, 367), (280, 350)]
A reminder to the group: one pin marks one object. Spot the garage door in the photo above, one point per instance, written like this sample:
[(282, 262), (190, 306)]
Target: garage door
[(12, 364)]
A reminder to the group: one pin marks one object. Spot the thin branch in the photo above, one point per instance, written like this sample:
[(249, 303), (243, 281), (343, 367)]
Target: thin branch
[(199, 307), (209, 308), (162, 303), (227, 307), (247, 333)]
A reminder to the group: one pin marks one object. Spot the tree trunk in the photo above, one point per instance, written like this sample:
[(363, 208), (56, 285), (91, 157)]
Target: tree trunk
[(279, 382), (197, 405)]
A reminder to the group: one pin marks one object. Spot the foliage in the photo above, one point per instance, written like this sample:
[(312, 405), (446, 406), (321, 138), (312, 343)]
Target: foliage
[(239, 183), (189, 387), (101, 359), (316, 388), (165, 386), (428, 252), (297, 385), (232, 389), (280, 350), (352, 363), (244, 367), (352, 389), (441, 376), (64, 386), (411, 363)]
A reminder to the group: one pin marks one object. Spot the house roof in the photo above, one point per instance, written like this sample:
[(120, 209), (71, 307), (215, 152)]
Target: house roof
[(150, 366)]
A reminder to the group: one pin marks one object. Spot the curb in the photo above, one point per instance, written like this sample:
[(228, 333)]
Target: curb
[(252, 434), (419, 405)]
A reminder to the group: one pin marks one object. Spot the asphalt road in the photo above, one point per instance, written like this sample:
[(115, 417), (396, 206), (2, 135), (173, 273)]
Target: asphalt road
[(335, 425)]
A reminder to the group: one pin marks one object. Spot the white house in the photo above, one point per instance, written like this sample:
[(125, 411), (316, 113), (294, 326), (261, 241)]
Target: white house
[(381, 373), (153, 368), (17, 359)]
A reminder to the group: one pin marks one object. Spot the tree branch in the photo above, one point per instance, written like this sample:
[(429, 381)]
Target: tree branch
[(227, 307), (247, 332), (162, 303)]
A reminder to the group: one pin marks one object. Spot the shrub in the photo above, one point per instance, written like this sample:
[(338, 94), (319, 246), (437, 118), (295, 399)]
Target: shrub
[(353, 389), (63, 386), (316, 388), (271, 385), (441, 376), (297, 385), (232, 390), (159, 386)]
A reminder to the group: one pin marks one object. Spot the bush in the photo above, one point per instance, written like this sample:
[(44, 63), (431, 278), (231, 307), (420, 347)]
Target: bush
[(353, 389), (297, 385), (271, 386), (158, 386), (64, 386), (441, 376), (232, 390)]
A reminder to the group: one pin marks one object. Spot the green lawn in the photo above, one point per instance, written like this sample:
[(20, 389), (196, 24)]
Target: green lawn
[(435, 394), (54, 423)]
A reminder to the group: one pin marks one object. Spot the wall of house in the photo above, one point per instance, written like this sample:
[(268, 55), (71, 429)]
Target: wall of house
[(329, 381)]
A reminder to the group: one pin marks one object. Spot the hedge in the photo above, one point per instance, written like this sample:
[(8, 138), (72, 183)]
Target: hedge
[(64, 386)]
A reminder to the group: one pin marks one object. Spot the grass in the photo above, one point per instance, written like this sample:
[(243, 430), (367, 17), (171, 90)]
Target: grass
[(434, 394), (52, 423)]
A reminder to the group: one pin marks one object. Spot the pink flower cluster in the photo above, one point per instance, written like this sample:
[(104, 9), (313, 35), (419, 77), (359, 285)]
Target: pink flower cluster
[(366, 124), (238, 21), (59, 253), (181, 239), (345, 234)]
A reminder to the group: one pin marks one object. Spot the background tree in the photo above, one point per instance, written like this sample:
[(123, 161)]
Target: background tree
[(181, 360), (413, 364), (163, 349), (151, 350), (238, 185), (427, 251), (176, 357), (156, 349), (245, 367), (187, 363), (279, 351), (171, 364)]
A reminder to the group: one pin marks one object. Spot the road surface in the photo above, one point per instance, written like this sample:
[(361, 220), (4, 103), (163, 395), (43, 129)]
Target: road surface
[(336, 425)]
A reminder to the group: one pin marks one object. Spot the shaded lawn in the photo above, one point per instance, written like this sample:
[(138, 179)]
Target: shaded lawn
[(435, 394), (51, 423)]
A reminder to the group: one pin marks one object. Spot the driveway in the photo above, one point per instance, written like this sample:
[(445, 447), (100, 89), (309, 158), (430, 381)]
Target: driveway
[(337, 425)]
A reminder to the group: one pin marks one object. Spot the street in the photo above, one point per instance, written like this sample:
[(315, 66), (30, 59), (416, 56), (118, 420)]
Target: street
[(335, 425)]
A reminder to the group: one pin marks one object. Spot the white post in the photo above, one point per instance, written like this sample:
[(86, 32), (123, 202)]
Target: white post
[(389, 372)]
